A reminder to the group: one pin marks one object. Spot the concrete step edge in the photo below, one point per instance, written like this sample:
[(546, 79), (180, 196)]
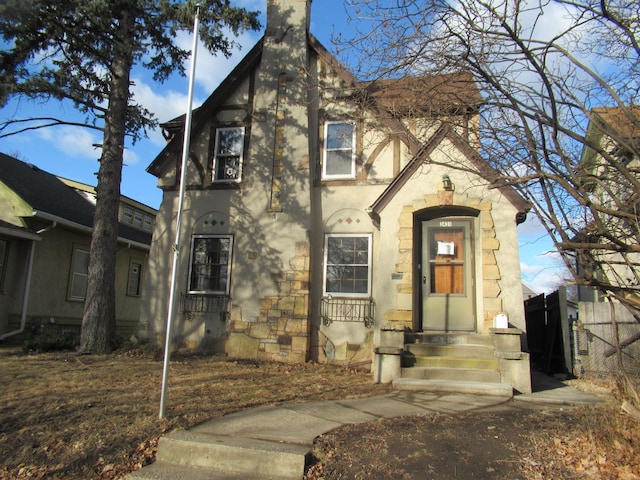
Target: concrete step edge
[(166, 471), (233, 454), (449, 339), (453, 374), (449, 386), (452, 362), (451, 350)]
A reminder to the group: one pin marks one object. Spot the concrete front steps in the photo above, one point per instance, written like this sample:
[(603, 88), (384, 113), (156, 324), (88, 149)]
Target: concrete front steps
[(451, 363), (184, 455)]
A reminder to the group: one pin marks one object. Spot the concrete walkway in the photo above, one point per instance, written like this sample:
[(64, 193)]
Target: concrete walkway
[(272, 442)]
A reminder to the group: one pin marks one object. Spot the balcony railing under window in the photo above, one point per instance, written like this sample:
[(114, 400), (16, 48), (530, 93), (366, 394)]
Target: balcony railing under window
[(347, 310), (191, 304)]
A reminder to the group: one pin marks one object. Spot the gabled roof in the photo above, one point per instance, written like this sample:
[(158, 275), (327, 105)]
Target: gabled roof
[(49, 197), (202, 113), (625, 122), (422, 156), (455, 92)]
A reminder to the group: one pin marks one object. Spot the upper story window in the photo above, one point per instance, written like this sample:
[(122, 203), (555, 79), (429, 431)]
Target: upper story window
[(227, 157), (339, 151), (137, 218), (347, 271)]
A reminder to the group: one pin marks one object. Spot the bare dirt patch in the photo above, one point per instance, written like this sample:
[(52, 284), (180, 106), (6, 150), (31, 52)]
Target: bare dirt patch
[(64, 416), (586, 442), (72, 417)]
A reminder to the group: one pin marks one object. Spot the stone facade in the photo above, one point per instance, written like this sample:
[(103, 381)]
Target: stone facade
[(280, 331)]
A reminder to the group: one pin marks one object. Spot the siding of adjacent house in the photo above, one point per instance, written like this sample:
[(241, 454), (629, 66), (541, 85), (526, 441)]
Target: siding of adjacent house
[(41, 212)]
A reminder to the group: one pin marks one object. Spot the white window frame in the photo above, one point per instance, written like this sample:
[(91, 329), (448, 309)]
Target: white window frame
[(327, 151), (369, 266), (77, 275), (134, 280), (217, 156), (227, 280), (127, 215)]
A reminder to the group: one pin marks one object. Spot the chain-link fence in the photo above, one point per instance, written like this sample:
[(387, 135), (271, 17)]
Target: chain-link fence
[(595, 349)]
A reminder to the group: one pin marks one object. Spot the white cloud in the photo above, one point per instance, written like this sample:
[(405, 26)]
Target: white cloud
[(169, 100), (75, 142), (212, 69), (164, 103), (545, 272)]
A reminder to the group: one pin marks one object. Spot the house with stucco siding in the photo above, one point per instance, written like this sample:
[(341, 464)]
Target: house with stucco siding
[(332, 220), (45, 234)]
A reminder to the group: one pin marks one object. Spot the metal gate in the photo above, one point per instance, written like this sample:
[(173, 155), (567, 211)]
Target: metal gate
[(548, 330)]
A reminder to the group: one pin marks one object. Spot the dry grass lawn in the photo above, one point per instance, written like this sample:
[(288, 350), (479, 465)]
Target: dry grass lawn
[(64, 416)]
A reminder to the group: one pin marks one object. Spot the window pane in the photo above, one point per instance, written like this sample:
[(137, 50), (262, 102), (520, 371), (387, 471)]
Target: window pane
[(230, 141), (228, 168), (347, 265), (210, 264), (339, 136), (227, 162), (80, 271), (339, 162)]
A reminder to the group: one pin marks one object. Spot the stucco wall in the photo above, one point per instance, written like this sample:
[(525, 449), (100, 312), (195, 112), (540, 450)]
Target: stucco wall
[(280, 211), (49, 304)]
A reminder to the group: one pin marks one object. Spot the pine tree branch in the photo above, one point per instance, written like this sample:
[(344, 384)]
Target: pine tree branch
[(49, 122)]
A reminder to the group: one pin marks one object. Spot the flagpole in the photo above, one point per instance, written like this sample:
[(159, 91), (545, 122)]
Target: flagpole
[(175, 246)]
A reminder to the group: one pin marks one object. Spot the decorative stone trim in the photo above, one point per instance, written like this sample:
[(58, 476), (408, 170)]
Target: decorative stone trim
[(490, 275)]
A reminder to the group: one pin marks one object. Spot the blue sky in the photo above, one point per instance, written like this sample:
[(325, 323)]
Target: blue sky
[(69, 151)]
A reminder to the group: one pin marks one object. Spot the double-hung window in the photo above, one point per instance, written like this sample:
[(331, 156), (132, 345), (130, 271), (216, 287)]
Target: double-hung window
[(347, 265), (339, 159), (79, 275), (210, 267), (227, 158)]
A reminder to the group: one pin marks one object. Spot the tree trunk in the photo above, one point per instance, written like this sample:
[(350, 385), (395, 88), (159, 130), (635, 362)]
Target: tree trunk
[(99, 319)]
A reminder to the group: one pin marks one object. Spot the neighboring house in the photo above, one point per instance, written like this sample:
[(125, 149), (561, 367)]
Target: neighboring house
[(322, 213), (611, 159), (528, 292), (45, 232)]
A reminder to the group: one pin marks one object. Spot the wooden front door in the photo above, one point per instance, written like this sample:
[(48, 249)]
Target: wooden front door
[(447, 275)]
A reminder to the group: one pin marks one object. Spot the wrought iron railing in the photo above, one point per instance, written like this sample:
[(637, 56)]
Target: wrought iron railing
[(347, 310), (191, 304)]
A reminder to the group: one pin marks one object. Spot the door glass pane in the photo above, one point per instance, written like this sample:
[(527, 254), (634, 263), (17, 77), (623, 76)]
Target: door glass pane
[(446, 260)]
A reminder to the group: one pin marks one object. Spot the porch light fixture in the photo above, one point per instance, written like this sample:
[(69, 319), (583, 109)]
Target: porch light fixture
[(447, 184)]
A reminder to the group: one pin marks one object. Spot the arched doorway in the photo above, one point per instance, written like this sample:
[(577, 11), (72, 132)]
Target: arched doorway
[(444, 240)]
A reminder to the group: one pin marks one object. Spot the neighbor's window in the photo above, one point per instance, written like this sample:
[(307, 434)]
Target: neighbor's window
[(4, 247), (227, 158), (79, 274), (347, 265), (210, 264), (134, 280), (339, 150)]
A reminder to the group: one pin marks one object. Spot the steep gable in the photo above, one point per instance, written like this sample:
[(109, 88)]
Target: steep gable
[(46, 197)]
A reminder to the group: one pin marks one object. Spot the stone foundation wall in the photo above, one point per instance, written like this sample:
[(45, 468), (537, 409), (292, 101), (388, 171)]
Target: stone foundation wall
[(281, 331)]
